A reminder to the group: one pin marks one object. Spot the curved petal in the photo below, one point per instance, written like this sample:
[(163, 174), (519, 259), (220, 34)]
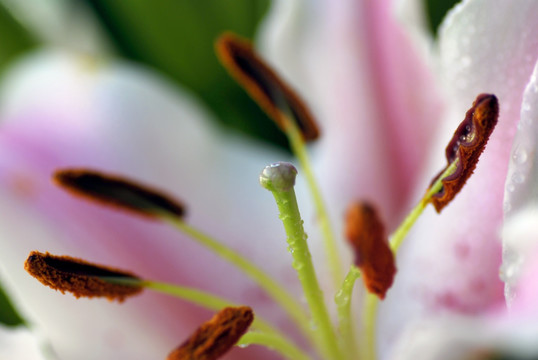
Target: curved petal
[(520, 195), (65, 111), (454, 338), (450, 262), (19, 343), (521, 190), (372, 93), (520, 249)]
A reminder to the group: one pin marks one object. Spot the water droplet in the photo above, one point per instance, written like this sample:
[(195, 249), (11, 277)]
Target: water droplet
[(518, 178), (507, 207), (520, 156), (511, 187), (297, 265)]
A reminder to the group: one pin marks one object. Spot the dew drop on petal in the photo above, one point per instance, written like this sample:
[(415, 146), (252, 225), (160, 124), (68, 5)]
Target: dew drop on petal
[(507, 207), (518, 178), (520, 156)]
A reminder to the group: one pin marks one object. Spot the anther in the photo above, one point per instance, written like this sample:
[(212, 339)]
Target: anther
[(264, 85), (217, 336), (118, 192), (373, 256), (466, 145), (79, 277)]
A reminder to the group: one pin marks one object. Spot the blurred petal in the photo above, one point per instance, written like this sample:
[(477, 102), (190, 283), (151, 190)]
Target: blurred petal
[(62, 111), (354, 64), (520, 250), (450, 262), (457, 338), (61, 23), (19, 344)]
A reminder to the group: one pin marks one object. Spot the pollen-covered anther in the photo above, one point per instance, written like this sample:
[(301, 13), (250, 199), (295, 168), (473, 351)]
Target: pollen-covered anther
[(217, 336), (264, 85), (118, 192), (466, 145), (79, 277), (366, 234)]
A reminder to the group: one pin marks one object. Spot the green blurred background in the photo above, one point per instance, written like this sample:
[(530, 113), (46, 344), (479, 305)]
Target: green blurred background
[(176, 37)]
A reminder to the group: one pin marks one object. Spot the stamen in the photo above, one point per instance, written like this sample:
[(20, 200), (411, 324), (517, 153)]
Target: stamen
[(466, 145), (79, 277), (266, 334), (291, 115), (373, 256), (264, 85), (345, 316), (217, 336), (118, 192), (272, 342), (125, 194)]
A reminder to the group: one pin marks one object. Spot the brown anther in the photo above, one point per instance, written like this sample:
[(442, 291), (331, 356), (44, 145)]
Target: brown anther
[(467, 145), (264, 85), (79, 277), (217, 336), (118, 192), (373, 256)]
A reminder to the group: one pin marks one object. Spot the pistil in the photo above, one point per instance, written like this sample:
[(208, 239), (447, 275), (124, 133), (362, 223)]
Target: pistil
[(279, 178)]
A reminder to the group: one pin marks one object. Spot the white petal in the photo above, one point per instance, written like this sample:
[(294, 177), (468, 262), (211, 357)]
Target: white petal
[(19, 344), (60, 23), (522, 180), (519, 236), (450, 261), (127, 120), (458, 338)]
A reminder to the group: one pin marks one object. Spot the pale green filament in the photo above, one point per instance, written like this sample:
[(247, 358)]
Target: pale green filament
[(402, 231), (299, 149), (302, 263), (343, 304), (372, 301), (278, 344), (272, 337), (266, 282), (368, 347)]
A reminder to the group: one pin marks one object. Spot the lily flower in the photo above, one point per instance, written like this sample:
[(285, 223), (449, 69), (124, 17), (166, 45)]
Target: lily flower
[(450, 262), (385, 120)]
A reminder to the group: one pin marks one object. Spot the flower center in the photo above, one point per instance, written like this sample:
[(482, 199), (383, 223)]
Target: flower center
[(233, 324)]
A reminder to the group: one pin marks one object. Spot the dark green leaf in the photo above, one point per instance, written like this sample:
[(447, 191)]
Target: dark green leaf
[(8, 314), (15, 40), (436, 11)]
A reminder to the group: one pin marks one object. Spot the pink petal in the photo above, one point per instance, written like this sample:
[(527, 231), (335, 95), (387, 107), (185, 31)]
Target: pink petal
[(369, 89), (450, 262), (64, 111)]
